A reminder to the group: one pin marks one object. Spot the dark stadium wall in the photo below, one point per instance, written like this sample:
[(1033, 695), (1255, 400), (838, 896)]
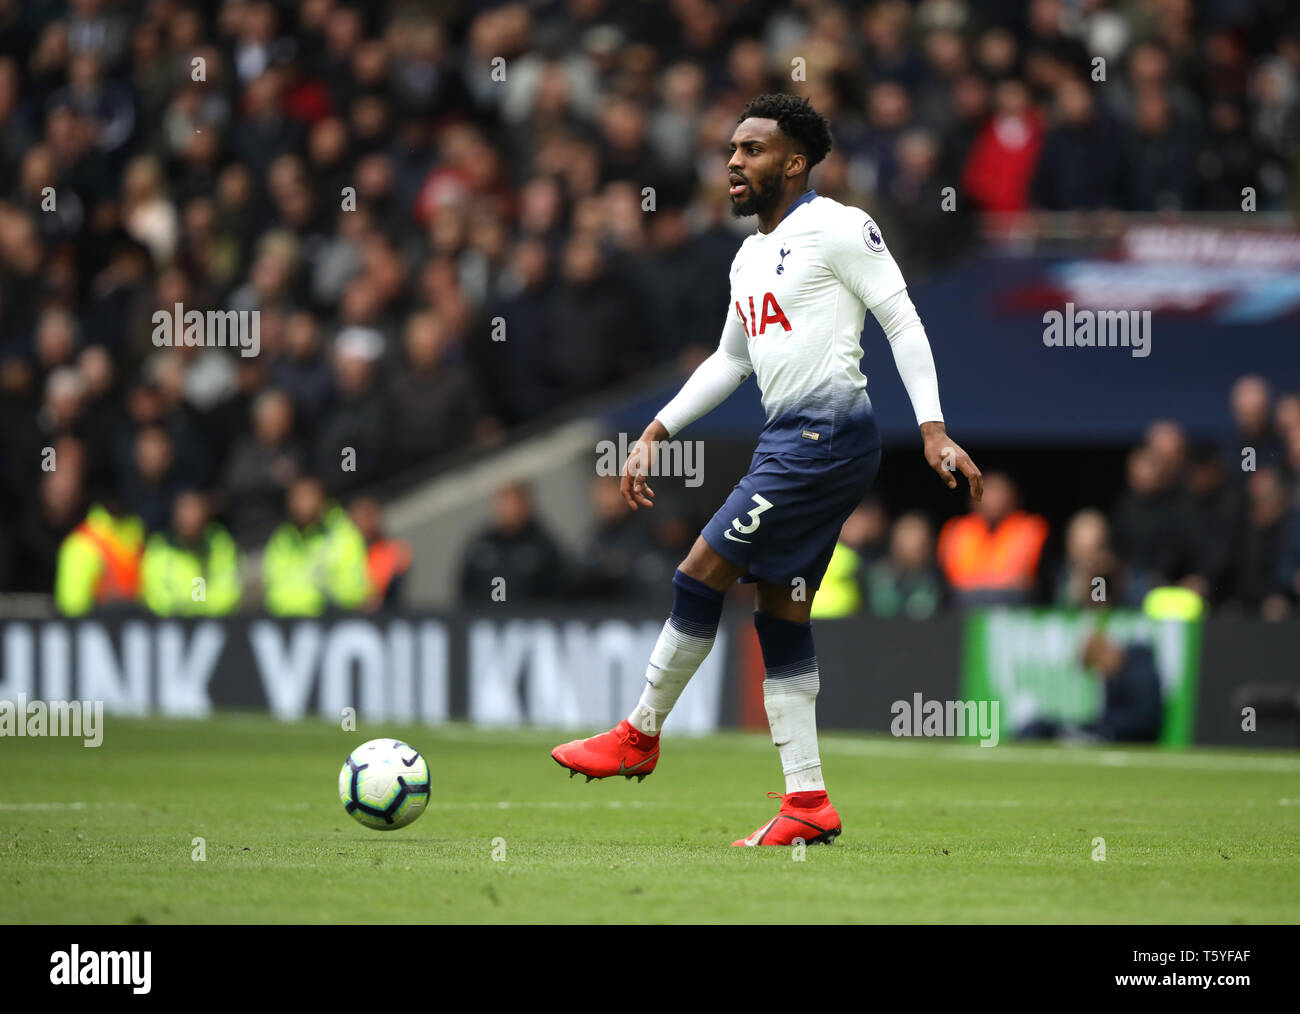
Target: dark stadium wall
[(1248, 662)]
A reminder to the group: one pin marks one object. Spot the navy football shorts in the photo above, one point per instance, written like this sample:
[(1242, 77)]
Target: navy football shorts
[(783, 518)]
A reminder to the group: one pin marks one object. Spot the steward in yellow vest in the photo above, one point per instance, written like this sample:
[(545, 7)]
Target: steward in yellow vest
[(316, 559), (99, 561), (194, 569), (840, 593)]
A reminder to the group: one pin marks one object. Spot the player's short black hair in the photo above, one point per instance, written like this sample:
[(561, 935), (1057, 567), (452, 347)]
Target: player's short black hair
[(808, 129)]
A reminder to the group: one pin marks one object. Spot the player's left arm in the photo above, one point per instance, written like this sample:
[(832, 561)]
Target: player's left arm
[(855, 251), (915, 363)]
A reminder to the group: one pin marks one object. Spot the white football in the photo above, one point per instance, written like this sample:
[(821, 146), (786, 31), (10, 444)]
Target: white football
[(384, 784)]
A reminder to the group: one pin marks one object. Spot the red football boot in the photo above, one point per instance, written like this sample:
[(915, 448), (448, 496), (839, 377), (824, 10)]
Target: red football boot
[(805, 815), (621, 751)]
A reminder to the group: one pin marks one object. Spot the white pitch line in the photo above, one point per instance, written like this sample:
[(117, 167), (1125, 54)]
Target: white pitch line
[(70, 806), (615, 804), (1086, 756), (637, 804), (937, 749), (580, 804)]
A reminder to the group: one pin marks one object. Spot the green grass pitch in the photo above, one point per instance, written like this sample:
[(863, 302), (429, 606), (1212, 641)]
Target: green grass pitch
[(934, 832)]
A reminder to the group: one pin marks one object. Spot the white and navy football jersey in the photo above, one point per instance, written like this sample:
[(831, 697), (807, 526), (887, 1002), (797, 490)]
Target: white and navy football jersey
[(799, 297)]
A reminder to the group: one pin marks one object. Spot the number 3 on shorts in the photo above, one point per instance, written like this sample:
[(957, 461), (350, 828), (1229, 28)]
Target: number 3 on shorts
[(754, 519)]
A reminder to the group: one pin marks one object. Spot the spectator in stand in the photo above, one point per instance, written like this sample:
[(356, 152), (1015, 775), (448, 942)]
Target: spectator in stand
[(351, 448), (1286, 417), (148, 214), (106, 105), (20, 410), (1090, 575), (1000, 169), (1291, 461), (1148, 525), (62, 416), (592, 302), (435, 401), (152, 484), (515, 560), (168, 373), (929, 233), (57, 340), (907, 582), (102, 407), (607, 565), (1214, 517), (629, 554), (304, 372), (1161, 156), (261, 468), (1262, 565), (1082, 164), (1288, 563), (874, 153), (60, 507), (991, 555), (1168, 443), (1229, 159), (525, 293), (1251, 401), (387, 559), (868, 531)]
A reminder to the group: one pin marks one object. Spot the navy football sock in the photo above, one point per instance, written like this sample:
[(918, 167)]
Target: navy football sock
[(684, 643)]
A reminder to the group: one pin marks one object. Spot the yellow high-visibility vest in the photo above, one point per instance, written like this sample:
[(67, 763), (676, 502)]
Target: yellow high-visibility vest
[(192, 581), (306, 569), (841, 590)]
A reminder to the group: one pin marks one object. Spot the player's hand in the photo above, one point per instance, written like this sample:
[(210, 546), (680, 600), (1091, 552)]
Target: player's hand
[(633, 484), (945, 456)]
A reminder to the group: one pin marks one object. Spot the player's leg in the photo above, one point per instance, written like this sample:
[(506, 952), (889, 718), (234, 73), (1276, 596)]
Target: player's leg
[(687, 636), (791, 682), (703, 563), (790, 686), (632, 746), (810, 521)]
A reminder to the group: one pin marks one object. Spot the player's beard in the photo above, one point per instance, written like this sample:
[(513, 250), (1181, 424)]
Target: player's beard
[(761, 198)]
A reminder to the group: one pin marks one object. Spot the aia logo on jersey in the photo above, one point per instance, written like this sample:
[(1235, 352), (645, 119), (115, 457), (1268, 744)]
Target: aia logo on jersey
[(772, 313)]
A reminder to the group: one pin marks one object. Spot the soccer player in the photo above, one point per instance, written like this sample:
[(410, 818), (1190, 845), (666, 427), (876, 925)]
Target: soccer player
[(800, 289)]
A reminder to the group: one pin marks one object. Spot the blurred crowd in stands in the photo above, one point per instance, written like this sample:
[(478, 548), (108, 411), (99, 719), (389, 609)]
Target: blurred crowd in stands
[(392, 186), (1219, 518)]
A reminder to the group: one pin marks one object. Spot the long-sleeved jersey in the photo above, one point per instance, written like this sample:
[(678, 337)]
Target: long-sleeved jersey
[(799, 297)]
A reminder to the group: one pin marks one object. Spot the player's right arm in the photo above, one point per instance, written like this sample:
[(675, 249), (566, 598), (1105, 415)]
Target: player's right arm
[(705, 389)]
